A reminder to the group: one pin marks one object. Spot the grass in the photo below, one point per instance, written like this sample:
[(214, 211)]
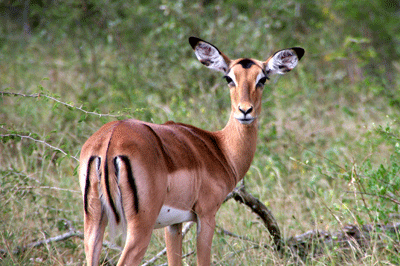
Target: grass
[(315, 139)]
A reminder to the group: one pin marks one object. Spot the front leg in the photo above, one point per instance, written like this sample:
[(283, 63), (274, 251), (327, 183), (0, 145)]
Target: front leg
[(205, 233), (173, 240)]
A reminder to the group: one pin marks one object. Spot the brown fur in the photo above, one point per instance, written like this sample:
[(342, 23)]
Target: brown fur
[(174, 165)]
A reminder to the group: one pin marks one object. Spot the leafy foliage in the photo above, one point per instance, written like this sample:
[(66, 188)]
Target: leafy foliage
[(382, 184), (328, 151)]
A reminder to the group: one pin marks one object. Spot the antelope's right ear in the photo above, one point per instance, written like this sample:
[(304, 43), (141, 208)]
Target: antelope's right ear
[(209, 55), (283, 61)]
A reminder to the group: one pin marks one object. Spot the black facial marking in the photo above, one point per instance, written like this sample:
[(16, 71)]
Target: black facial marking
[(262, 81), (228, 79), (246, 63)]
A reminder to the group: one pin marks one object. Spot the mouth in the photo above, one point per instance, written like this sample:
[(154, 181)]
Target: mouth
[(245, 121)]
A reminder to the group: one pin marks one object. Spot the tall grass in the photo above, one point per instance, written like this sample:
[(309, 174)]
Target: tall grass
[(327, 152)]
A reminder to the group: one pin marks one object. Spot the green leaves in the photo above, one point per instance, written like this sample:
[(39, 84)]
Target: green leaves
[(326, 154)]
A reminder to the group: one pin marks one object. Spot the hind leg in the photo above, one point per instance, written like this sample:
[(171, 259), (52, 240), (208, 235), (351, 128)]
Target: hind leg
[(94, 225), (95, 219), (95, 222), (142, 196), (139, 227), (137, 241)]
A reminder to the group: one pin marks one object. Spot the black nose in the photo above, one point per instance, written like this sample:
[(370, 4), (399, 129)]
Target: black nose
[(245, 112)]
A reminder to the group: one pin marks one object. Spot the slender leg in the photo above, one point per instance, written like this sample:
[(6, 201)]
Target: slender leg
[(138, 238), (204, 240), (141, 212), (95, 218), (94, 225), (173, 240)]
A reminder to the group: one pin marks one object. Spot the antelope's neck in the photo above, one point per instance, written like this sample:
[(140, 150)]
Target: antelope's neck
[(239, 143)]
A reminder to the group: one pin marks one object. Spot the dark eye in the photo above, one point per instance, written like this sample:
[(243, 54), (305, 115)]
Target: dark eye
[(262, 81), (229, 80)]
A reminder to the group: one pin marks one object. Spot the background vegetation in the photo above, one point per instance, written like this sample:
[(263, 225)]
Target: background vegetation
[(329, 142)]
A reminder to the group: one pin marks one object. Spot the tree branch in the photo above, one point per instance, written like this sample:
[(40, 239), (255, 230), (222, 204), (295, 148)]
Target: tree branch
[(241, 195), (38, 95), (164, 251), (229, 233), (39, 141), (314, 241), (65, 236), (46, 187), (389, 196), (71, 233)]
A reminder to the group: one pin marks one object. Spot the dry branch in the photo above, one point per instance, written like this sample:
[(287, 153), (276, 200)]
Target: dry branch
[(39, 141), (241, 195), (223, 231), (38, 95), (62, 237), (164, 251), (314, 242)]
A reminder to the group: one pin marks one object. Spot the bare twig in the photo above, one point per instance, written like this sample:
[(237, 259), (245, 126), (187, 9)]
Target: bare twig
[(229, 233), (361, 188), (388, 197), (47, 187), (164, 251), (12, 171), (69, 234), (349, 236), (38, 95), (39, 141), (184, 256), (65, 236)]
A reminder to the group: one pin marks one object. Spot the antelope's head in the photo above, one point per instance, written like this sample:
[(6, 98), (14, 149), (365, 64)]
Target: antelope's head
[(245, 76)]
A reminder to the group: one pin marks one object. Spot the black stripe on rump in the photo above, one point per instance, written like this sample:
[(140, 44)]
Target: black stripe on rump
[(131, 180), (107, 182), (87, 185)]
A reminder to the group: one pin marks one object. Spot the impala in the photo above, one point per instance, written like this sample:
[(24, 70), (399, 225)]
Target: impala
[(145, 176)]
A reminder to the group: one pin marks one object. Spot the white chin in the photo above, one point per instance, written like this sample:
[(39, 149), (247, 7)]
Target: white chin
[(245, 121)]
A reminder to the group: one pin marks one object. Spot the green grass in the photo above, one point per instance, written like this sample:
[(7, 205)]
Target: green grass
[(327, 151)]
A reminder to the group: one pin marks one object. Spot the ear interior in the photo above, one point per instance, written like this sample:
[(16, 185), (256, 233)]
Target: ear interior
[(284, 61), (209, 55)]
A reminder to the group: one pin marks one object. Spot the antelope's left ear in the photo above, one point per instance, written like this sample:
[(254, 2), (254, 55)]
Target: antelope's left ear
[(209, 55), (283, 61)]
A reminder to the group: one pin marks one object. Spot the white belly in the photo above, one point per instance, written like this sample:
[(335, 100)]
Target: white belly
[(169, 216)]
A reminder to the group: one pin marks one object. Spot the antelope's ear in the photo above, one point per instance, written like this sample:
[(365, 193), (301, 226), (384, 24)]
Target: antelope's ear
[(209, 55), (283, 61)]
